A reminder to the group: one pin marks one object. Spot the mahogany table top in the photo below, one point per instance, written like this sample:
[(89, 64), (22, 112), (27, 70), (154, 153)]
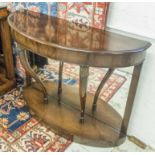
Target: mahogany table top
[(60, 34)]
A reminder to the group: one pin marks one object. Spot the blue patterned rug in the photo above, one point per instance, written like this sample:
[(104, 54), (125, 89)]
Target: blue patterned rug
[(13, 112)]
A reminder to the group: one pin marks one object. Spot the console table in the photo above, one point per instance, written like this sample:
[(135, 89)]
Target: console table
[(7, 76), (64, 107)]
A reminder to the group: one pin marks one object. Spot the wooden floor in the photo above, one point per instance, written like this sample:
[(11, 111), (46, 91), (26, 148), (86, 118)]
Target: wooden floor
[(104, 125)]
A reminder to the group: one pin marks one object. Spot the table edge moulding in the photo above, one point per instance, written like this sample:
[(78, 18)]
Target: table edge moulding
[(64, 107)]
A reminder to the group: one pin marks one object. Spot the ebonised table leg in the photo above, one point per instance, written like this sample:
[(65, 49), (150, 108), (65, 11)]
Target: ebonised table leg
[(131, 96), (29, 70), (84, 73), (97, 93), (60, 81)]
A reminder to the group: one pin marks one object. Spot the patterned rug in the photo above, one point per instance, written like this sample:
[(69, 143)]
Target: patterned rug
[(19, 131)]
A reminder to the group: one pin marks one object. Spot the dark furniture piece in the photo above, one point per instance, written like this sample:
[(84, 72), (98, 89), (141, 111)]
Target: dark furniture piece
[(7, 76), (62, 106)]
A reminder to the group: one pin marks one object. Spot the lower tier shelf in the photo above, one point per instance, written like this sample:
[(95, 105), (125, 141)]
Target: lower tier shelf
[(103, 125)]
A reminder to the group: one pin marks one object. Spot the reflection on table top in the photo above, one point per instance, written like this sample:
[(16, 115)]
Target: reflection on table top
[(64, 34)]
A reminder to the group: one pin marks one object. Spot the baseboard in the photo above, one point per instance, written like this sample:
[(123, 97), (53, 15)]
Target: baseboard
[(137, 142)]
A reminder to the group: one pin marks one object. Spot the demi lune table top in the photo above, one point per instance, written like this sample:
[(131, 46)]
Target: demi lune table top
[(44, 28), (61, 36)]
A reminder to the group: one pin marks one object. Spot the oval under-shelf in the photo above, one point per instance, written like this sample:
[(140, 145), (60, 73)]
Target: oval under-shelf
[(103, 125)]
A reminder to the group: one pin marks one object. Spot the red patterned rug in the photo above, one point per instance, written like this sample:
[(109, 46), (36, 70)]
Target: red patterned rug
[(33, 136), (28, 133)]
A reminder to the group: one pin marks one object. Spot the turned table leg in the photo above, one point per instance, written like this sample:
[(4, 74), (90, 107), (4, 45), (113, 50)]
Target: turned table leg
[(97, 93), (29, 70), (84, 72), (28, 76), (60, 81), (130, 99)]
